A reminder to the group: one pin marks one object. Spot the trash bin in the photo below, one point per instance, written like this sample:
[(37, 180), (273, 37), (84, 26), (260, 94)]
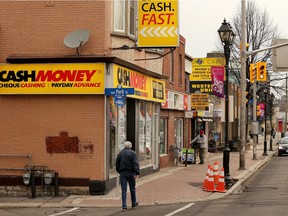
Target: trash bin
[(212, 146), (190, 158)]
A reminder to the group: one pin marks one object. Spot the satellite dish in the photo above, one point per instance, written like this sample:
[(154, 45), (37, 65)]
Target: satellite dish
[(76, 39)]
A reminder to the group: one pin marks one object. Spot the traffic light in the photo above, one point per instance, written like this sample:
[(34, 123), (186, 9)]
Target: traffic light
[(258, 110), (261, 71), (253, 72)]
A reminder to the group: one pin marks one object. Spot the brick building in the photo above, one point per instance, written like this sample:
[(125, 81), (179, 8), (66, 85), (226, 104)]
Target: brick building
[(175, 129), (56, 117)]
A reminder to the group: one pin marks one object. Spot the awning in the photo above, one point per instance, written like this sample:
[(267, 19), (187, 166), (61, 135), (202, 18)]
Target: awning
[(205, 119)]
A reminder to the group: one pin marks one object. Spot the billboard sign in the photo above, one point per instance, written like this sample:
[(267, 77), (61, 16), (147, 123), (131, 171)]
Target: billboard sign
[(158, 23), (201, 76), (76, 78)]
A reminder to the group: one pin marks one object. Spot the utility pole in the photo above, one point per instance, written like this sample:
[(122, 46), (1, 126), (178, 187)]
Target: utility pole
[(286, 108), (255, 123), (243, 88)]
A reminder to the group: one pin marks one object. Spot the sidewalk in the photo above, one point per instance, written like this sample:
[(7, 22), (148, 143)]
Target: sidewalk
[(169, 185)]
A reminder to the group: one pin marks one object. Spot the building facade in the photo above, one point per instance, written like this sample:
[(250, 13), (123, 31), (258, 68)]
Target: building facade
[(174, 127), (61, 65)]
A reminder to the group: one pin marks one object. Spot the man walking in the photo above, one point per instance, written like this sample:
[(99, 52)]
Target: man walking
[(127, 166), (201, 138)]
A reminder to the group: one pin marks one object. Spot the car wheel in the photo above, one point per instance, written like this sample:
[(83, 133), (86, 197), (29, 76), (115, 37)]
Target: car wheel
[(279, 154)]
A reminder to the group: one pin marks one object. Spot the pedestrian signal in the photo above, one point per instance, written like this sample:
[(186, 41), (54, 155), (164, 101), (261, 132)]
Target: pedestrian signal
[(258, 110), (261, 71), (253, 72)]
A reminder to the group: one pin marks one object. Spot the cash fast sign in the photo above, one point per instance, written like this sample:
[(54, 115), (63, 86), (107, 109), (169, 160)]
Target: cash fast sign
[(158, 23)]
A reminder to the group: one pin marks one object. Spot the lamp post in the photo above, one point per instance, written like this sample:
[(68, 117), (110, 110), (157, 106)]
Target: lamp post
[(271, 132), (227, 37), (265, 122)]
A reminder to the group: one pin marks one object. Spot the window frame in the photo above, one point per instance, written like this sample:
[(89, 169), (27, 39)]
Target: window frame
[(129, 19)]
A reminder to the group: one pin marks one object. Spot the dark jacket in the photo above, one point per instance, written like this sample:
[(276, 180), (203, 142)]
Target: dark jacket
[(127, 161)]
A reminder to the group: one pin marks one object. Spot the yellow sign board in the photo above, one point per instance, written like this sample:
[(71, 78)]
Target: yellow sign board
[(145, 87), (201, 68), (199, 101), (80, 78), (158, 23)]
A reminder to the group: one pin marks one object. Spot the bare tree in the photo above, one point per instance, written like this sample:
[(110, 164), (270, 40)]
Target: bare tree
[(260, 31)]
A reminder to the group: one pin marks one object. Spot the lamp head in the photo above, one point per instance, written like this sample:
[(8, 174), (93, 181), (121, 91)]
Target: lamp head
[(225, 33)]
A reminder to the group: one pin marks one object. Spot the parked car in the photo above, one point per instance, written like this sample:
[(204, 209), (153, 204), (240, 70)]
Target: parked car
[(283, 146), (284, 134)]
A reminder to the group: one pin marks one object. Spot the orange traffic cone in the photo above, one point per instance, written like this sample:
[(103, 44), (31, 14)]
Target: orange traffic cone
[(210, 183), (221, 183), (216, 172), (206, 178)]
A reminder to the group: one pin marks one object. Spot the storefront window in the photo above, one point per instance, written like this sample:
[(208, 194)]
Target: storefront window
[(142, 132), (178, 132), (116, 141), (146, 132), (163, 135), (112, 114), (122, 127), (148, 147)]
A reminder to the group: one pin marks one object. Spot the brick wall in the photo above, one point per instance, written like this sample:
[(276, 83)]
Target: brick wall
[(30, 119), (38, 28)]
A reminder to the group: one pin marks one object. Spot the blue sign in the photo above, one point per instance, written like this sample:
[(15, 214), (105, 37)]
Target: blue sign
[(119, 94)]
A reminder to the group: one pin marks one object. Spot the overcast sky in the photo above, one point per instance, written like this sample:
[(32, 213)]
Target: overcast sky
[(200, 20)]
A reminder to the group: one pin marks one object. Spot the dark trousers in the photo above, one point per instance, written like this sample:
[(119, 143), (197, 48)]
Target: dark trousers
[(128, 177), (201, 152)]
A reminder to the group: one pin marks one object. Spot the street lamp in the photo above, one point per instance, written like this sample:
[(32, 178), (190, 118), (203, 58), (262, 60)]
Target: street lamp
[(271, 132), (227, 37), (265, 122)]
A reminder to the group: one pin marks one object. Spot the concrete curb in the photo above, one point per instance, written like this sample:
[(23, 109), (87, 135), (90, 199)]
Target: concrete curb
[(244, 176)]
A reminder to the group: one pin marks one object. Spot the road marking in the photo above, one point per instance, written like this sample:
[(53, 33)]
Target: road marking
[(64, 212), (181, 209)]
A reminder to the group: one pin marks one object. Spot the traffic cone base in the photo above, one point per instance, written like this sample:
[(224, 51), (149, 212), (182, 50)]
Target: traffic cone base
[(210, 183), (221, 183), (206, 178)]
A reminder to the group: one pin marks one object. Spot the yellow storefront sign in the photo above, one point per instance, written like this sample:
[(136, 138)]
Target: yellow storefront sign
[(145, 87), (201, 68), (80, 78), (158, 23), (199, 101)]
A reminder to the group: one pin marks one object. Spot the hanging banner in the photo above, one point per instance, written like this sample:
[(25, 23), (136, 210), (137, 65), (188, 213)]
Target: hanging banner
[(218, 80), (261, 109)]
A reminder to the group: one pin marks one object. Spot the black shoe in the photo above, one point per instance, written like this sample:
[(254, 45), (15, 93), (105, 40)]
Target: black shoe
[(135, 205), (124, 209), (201, 163)]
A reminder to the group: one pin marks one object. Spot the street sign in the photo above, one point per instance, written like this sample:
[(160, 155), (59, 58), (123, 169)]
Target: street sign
[(158, 23), (119, 94), (199, 101)]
